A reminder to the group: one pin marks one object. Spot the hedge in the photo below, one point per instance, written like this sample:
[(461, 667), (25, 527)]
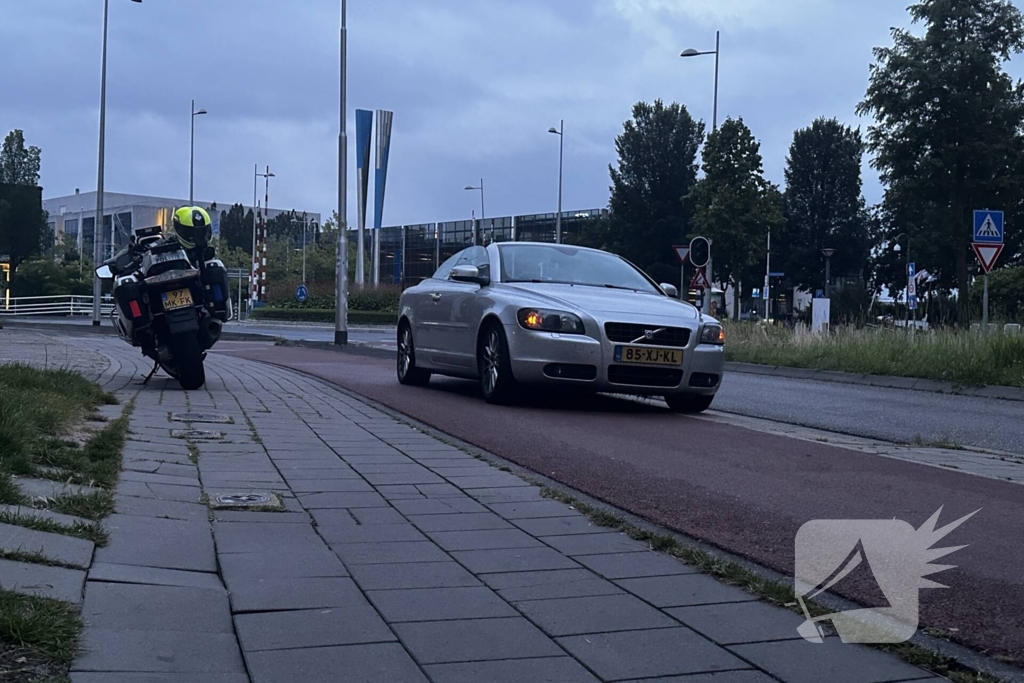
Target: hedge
[(324, 315)]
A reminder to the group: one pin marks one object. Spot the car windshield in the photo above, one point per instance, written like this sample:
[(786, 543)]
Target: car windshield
[(569, 265)]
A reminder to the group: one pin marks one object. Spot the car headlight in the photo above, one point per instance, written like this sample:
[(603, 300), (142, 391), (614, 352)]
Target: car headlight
[(550, 321), (712, 334)]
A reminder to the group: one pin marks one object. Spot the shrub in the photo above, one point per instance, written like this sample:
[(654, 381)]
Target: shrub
[(324, 315)]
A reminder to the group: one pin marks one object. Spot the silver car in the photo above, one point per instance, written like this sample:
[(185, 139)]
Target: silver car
[(524, 313)]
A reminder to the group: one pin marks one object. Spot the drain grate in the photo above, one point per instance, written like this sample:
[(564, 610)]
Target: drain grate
[(196, 434), (245, 501), (216, 418)]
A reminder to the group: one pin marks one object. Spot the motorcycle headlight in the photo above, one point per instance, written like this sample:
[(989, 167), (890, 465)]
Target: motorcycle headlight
[(550, 321), (712, 334)]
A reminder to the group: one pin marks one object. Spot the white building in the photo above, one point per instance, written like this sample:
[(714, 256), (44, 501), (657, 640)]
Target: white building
[(74, 216)]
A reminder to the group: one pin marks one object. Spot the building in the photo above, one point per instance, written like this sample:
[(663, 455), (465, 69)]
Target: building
[(411, 253), (73, 217)]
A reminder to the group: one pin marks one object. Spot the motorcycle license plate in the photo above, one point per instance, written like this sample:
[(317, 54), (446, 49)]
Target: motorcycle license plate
[(177, 298), (647, 355)]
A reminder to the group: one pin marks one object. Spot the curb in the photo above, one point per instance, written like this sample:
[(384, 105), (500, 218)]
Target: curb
[(909, 383), (110, 331)]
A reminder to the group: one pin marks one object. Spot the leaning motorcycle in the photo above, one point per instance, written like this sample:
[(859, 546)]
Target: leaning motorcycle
[(171, 308)]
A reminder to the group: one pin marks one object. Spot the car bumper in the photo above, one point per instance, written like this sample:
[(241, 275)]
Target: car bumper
[(580, 362)]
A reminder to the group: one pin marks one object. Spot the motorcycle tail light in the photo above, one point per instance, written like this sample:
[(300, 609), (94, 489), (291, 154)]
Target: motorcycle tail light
[(136, 311)]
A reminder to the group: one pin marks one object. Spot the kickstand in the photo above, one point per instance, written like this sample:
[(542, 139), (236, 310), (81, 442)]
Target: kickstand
[(156, 366)]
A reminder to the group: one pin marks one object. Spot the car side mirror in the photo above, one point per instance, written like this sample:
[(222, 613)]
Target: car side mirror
[(670, 290), (469, 274), (104, 272)]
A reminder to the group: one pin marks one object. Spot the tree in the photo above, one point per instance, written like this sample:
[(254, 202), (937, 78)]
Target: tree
[(19, 165), (657, 167), (236, 227), (23, 229), (947, 128), (823, 205), (734, 206)]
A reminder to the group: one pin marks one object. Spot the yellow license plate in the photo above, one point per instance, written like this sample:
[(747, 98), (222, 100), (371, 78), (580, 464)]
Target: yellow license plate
[(647, 355), (178, 298)]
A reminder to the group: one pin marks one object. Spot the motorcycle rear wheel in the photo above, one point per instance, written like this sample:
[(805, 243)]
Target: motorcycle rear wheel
[(188, 361)]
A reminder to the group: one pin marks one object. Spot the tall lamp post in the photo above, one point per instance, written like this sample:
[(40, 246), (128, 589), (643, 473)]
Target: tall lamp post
[(97, 233), (255, 213), (481, 188), (828, 271), (341, 258), (192, 152), (906, 270), (690, 52), (560, 132)]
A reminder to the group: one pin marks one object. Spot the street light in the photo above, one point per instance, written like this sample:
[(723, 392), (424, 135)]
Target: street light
[(341, 255), (192, 151), (305, 226), (481, 188), (255, 211), (560, 132), (690, 52), (828, 270), (97, 233)]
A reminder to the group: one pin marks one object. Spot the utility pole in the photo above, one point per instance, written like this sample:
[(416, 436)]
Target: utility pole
[(341, 266)]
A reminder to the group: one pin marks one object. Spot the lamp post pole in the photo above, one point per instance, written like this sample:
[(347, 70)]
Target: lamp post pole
[(482, 214), (341, 265), (690, 52), (192, 153), (560, 132)]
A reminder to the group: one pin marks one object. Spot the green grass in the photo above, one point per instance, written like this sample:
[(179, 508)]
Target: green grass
[(87, 531), (31, 557), (47, 629), (780, 594), (93, 506), (961, 357)]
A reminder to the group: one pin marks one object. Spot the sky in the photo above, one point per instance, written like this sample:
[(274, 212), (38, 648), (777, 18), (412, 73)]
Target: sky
[(474, 86)]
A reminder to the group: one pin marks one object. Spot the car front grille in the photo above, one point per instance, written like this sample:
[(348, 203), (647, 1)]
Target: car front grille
[(644, 377), (628, 333)]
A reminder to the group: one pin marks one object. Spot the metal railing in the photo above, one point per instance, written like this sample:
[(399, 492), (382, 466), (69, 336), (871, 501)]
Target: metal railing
[(53, 305)]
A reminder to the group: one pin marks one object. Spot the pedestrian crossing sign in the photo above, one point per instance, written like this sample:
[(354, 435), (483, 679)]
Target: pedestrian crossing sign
[(988, 227)]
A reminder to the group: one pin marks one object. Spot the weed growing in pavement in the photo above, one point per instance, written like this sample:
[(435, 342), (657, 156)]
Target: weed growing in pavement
[(963, 358), (940, 443), (88, 505), (252, 430), (775, 592), (47, 629), (193, 452), (32, 557), (88, 531)]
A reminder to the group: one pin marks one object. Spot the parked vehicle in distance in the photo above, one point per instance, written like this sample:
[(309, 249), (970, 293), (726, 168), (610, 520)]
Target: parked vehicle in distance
[(516, 314)]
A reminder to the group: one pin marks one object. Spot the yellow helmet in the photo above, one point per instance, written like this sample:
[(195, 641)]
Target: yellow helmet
[(188, 223)]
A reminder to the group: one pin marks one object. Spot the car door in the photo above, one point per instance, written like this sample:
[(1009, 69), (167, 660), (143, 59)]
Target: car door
[(426, 312), (460, 309)]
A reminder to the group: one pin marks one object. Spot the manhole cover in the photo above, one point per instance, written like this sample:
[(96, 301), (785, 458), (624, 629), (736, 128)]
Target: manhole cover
[(241, 501), (201, 417), (196, 434)]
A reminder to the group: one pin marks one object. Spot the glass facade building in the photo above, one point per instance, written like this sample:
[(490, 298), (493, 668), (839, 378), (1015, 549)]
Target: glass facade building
[(410, 254)]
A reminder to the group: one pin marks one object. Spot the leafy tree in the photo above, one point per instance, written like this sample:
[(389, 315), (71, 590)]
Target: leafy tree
[(236, 227), (657, 167), (19, 165), (23, 229), (734, 206), (947, 128), (824, 207)]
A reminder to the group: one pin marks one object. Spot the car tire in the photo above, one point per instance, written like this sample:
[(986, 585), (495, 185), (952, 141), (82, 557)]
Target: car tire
[(495, 367), (408, 373), (688, 403)]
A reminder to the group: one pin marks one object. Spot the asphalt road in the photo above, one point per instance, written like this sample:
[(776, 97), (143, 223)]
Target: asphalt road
[(744, 491), (897, 415)]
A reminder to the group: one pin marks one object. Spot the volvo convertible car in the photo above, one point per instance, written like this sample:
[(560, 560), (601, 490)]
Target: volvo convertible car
[(519, 314)]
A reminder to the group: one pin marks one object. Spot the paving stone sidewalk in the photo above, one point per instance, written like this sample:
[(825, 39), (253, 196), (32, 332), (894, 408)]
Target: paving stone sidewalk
[(398, 558)]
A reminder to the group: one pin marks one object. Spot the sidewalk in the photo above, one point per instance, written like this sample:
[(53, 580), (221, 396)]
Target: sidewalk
[(398, 558)]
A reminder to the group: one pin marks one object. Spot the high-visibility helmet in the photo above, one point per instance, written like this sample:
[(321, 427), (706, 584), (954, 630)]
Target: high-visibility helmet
[(188, 223)]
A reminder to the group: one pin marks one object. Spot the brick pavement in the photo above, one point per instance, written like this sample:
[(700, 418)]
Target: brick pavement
[(398, 558)]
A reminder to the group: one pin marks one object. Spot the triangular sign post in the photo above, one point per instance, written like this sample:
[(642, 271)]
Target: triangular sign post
[(700, 280), (682, 253), (987, 255)]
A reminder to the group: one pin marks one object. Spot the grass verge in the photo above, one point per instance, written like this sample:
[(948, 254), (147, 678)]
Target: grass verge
[(89, 532), (961, 357), (775, 592), (39, 630)]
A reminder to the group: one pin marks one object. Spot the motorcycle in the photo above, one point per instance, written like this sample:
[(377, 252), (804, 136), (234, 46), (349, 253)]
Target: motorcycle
[(171, 308)]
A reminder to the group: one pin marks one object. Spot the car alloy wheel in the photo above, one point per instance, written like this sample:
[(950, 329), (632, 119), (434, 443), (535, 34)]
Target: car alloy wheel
[(408, 373), (405, 353), (495, 367), (492, 362)]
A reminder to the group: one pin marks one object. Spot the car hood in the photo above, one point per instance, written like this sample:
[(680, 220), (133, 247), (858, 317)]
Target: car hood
[(603, 302)]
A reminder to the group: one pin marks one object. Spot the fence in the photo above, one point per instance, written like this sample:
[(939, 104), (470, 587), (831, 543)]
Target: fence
[(53, 305)]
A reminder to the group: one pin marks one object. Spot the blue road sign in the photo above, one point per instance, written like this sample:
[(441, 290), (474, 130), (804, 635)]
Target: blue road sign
[(776, 275), (988, 227), (913, 302), (301, 294), (912, 279), (819, 293)]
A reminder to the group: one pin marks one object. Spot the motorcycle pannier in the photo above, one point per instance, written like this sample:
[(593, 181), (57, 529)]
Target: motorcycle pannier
[(130, 302), (218, 290)]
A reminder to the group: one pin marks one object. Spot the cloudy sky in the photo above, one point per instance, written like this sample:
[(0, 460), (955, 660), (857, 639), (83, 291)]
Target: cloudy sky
[(474, 84)]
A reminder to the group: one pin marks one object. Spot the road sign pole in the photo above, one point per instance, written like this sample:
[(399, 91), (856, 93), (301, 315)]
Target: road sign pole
[(682, 282), (984, 310)]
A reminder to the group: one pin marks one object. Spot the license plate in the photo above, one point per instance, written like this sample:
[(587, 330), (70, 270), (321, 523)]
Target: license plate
[(647, 355), (178, 298)]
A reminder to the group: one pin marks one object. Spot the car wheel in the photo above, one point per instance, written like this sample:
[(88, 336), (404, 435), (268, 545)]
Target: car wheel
[(408, 373), (496, 380), (689, 403)]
